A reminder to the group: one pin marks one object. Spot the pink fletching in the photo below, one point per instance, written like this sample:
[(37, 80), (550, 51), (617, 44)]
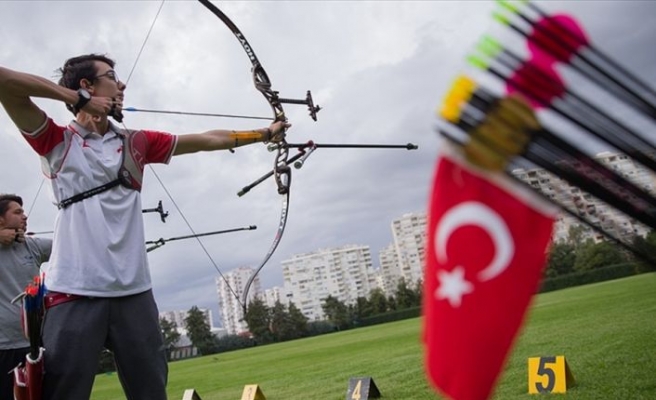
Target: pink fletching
[(557, 37), (537, 81)]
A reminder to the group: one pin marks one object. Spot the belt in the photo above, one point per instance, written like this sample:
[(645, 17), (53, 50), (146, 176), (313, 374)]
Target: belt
[(55, 298)]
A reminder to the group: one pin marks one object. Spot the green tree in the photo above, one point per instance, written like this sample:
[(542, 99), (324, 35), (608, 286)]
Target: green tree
[(592, 255), (169, 333), (378, 301), (406, 297), (336, 312), (282, 327), (362, 308), (647, 247), (199, 331), (419, 290), (258, 319), (299, 320), (391, 303), (561, 259)]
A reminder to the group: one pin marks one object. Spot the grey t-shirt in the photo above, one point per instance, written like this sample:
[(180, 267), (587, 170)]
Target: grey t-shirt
[(19, 264)]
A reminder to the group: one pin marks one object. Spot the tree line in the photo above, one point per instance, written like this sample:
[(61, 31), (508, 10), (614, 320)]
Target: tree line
[(577, 254), (283, 322)]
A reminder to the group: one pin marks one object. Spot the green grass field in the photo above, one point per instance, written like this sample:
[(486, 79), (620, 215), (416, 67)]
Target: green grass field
[(606, 331)]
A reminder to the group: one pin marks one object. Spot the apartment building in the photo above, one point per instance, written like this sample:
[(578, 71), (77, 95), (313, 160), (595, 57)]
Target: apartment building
[(230, 291), (345, 273), (586, 205), (404, 257)]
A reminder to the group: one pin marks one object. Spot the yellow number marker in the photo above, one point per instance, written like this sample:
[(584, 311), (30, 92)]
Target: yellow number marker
[(549, 374)]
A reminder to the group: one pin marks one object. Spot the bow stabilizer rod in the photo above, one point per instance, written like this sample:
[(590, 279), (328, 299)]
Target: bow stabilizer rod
[(409, 146), (305, 149), (161, 241), (159, 209)]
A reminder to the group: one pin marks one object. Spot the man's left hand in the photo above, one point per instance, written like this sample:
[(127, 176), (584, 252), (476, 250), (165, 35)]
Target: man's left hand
[(277, 131)]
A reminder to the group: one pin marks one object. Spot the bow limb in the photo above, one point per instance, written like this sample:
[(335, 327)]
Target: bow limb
[(281, 170), (272, 249), (260, 78), (262, 83)]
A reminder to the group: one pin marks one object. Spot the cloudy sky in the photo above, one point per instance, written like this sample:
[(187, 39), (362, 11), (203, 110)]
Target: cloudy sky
[(378, 69)]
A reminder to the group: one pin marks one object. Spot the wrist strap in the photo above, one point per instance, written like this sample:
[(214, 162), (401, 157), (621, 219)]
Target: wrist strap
[(81, 102)]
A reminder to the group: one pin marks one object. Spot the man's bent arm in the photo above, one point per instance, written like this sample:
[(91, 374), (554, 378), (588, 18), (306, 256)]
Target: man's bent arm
[(16, 88)]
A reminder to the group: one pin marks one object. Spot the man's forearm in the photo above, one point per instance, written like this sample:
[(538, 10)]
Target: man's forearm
[(219, 139), (14, 84)]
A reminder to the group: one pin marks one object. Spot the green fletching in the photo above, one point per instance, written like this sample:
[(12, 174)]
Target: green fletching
[(506, 4), (501, 18), (477, 62), (489, 46)]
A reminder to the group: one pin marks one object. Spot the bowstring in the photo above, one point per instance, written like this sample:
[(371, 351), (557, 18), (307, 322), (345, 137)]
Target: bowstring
[(36, 196), (143, 44), (175, 204), (126, 82)]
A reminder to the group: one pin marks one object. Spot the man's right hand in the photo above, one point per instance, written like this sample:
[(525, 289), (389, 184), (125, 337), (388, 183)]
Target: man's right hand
[(101, 106), (9, 236)]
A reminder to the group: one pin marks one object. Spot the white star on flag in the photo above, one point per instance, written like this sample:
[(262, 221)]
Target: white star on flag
[(453, 286)]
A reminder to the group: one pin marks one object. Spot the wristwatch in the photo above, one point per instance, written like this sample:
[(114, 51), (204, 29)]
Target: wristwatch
[(83, 97)]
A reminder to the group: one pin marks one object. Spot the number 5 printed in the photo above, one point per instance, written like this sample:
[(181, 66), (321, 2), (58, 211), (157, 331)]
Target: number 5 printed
[(544, 370), (549, 374)]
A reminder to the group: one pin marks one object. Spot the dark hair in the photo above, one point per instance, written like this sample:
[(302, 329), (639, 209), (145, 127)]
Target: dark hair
[(78, 68), (5, 199)]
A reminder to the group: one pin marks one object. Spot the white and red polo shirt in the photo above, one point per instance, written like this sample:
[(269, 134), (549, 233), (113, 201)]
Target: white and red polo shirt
[(98, 248)]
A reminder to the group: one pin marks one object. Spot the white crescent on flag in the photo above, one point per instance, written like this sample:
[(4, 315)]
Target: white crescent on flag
[(478, 214)]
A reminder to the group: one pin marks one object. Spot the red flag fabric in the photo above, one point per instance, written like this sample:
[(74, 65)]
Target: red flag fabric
[(486, 249)]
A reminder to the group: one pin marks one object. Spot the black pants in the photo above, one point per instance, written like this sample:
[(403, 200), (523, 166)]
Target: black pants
[(75, 333), (9, 359)]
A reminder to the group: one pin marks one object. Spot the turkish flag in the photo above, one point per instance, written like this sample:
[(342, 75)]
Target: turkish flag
[(487, 242)]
